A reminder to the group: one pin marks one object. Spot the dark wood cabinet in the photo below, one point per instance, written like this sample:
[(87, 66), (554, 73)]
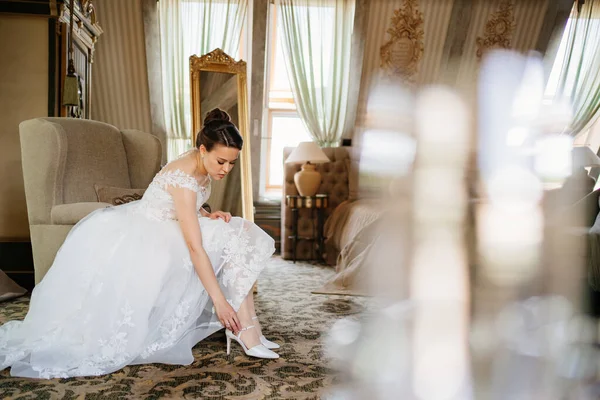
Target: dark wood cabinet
[(267, 215), (86, 31)]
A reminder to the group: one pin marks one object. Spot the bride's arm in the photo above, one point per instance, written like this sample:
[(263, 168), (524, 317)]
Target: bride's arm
[(185, 207)]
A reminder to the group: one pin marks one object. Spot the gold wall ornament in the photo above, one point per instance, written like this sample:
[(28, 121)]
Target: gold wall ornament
[(401, 54), (498, 29)]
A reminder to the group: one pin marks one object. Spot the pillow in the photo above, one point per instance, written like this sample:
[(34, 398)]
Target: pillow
[(117, 196)]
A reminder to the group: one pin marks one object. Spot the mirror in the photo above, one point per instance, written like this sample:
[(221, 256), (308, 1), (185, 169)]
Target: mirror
[(217, 80)]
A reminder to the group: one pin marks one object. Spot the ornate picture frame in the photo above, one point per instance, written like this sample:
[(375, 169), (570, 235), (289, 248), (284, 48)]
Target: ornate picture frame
[(402, 53), (499, 29)]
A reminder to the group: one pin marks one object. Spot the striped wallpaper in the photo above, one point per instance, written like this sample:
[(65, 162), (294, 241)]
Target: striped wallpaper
[(436, 16), (529, 16), (120, 78)]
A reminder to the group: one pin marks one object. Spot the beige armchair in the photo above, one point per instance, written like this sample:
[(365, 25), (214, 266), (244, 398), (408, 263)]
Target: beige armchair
[(63, 158)]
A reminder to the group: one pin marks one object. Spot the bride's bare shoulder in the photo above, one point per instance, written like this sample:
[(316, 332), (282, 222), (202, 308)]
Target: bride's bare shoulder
[(185, 163)]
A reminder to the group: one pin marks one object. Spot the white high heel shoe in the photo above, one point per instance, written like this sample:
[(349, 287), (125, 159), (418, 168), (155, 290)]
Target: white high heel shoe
[(266, 342), (258, 351)]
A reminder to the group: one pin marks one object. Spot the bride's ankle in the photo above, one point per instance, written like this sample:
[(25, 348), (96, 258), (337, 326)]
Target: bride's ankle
[(250, 337), (257, 325)]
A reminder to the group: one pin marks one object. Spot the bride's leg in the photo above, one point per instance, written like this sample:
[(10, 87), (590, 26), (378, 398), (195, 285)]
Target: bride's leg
[(266, 342), (251, 337), (252, 310)]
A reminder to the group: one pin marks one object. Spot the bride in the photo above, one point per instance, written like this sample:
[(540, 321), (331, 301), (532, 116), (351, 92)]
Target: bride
[(146, 281)]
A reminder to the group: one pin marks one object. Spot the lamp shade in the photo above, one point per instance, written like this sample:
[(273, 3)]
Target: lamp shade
[(307, 152)]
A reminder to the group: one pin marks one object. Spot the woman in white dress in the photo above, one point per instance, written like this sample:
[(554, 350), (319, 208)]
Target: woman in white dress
[(146, 281)]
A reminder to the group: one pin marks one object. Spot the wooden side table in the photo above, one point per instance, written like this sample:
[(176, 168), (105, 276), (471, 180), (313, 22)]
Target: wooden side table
[(319, 202)]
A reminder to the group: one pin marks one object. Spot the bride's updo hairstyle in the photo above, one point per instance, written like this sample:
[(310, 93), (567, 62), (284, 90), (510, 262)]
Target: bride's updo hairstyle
[(218, 129)]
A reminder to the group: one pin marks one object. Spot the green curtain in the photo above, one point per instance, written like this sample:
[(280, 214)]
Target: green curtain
[(189, 27), (579, 78), (316, 37)]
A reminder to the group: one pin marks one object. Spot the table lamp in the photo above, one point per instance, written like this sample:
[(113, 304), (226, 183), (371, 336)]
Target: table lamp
[(308, 179)]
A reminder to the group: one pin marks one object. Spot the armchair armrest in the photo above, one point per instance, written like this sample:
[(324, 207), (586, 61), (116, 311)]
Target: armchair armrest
[(43, 154), (70, 214)]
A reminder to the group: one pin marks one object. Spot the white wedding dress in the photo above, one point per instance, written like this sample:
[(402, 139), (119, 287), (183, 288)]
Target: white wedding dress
[(123, 290)]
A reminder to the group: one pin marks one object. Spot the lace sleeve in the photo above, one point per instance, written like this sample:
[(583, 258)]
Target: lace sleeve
[(176, 178)]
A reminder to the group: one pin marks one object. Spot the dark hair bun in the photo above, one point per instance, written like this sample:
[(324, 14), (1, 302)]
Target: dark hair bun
[(216, 115), (219, 130)]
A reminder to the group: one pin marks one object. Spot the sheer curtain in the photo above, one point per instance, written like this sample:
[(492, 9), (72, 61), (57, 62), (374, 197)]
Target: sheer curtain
[(316, 36), (579, 78), (190, 27)]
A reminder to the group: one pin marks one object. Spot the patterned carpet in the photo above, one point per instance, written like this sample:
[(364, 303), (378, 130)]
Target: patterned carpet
[(290, 315)]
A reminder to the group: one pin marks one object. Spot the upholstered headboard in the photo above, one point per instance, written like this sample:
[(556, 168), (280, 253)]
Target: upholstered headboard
[(335, 177)]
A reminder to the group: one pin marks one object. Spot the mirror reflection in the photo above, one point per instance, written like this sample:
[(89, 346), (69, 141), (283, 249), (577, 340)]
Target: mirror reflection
[(220, 90)]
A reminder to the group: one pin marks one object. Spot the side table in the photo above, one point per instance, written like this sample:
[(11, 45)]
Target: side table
[(319, 202)]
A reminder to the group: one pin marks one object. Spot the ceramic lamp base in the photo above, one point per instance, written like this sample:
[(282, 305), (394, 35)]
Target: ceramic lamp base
[(308, 180)]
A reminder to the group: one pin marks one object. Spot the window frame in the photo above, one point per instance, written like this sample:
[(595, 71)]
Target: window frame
[(275, 113), (272, 109), (581, 139)]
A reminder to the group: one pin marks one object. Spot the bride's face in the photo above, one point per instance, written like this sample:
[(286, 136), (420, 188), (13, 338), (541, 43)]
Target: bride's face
[(220, 160)]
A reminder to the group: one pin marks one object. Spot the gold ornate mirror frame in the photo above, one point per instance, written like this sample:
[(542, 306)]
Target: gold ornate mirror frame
[(218, 61)]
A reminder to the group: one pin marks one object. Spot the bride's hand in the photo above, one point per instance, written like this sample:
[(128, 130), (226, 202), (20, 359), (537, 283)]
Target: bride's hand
[(225, 216), (227, 316)]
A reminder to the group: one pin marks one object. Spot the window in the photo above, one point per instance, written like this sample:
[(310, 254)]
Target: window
[(195, 34), (552, 85), (577, 53), (202, 26), (284, 126), (289, 132), (592, 32)]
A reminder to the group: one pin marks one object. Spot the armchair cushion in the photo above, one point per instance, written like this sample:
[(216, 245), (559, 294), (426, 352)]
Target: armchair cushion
[(70, 214)]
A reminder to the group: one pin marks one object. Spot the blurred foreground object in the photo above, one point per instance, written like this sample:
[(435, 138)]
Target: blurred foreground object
[(499, 316), (529, 337), (415, 346)]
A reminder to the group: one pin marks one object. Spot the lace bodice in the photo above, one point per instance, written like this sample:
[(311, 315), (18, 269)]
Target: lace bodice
[(157, 202)]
